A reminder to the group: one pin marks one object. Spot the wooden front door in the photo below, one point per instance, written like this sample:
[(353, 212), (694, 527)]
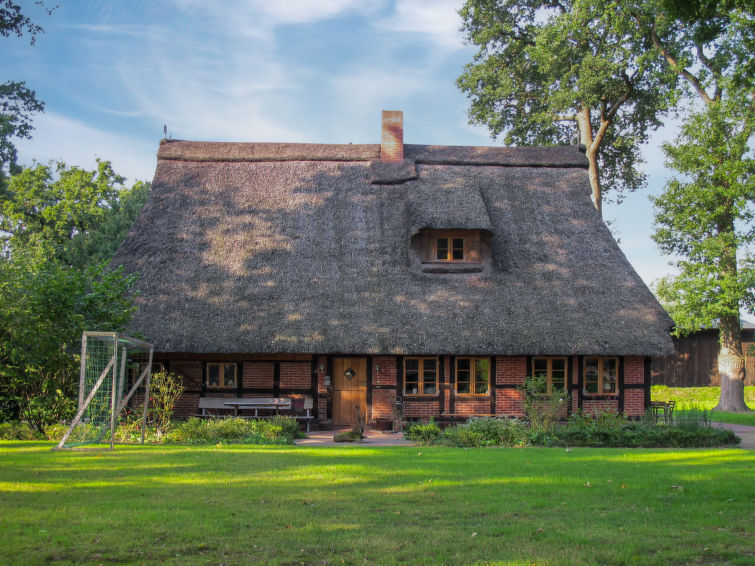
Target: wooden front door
[(348, 392)]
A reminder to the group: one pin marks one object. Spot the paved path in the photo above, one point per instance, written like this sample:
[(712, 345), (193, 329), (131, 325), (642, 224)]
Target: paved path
[(373, 438), (746, 433)]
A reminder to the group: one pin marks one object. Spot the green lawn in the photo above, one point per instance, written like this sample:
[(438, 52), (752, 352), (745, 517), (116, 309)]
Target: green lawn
[(705, 398), (291, 505)]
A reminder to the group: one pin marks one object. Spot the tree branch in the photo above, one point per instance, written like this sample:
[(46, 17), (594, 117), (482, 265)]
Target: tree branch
[(691, 79)]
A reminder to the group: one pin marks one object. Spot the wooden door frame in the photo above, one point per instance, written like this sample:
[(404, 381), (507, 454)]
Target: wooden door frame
[(331, 396)]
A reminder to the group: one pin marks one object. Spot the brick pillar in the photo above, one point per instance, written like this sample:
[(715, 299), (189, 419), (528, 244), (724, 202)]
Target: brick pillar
[(392, 148)]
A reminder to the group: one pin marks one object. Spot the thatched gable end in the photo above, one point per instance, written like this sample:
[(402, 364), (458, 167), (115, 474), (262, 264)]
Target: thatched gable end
[(281, 248)]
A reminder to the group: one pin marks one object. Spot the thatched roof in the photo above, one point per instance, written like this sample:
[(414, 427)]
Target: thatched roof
[(279, 248)]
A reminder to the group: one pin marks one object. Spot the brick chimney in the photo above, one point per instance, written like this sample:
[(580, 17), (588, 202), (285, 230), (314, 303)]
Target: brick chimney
[(392, 148)]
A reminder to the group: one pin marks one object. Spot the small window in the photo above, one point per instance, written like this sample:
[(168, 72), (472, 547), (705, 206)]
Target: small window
[(221, 375), (552, 371), (420, 376), (601, 376), (450, 249), (472, 376)]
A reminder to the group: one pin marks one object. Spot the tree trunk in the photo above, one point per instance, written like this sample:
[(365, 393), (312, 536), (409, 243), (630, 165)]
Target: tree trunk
[(731, 367), (584, 125)]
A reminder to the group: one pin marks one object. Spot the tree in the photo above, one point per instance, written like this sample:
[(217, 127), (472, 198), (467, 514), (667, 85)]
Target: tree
[(17, 102), (81, 216), (44, 307), (544, 65), (706, 217)]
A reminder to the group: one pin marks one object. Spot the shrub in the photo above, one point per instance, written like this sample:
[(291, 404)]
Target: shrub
[(16, 430), (543, 409), (499, 431), (423, 433), (164, 390), (463, 437), (278, 430)]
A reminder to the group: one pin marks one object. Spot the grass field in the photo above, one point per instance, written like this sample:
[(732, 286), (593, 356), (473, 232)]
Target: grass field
[(294, 505), (705, 398)]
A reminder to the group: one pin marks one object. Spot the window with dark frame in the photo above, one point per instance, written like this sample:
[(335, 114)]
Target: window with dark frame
[(472, 376), (420, 376), (601, 376), (552, 371), (220, 375), (450, 248)]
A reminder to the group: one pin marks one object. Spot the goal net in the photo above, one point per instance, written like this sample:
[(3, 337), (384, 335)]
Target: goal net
[(113, 381)]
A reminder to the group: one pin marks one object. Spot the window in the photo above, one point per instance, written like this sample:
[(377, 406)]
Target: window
[(601, 376), (451, 246), (421, 376), (551, 370), (472, 376), (450, 249), (221, 375)]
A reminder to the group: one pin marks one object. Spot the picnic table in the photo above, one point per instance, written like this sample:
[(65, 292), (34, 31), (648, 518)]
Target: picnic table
[(274, 403)]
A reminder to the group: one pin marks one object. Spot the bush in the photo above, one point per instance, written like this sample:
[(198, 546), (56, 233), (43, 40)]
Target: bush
[(423, 433), (164, 390), (16, 430), (612, 430), (461, 436), (277, 430), (499, 431)]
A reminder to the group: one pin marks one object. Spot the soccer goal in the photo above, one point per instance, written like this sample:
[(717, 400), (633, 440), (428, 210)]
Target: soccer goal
[(114, 369)]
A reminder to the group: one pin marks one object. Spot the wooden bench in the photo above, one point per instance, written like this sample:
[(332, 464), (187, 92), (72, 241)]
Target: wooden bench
[(292, 406)]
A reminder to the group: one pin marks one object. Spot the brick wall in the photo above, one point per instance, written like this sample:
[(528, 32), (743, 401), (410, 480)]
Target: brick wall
[(509, 402), (419, 409), (634, 402), (257, 374), (295, 375), (392, 147), (387, 373), (594, 406), (510, 370), (634, 370), (472, 406), (187, 405), (382, 403)]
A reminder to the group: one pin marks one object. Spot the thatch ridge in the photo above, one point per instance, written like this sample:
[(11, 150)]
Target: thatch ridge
[(306, 256), (557, 156)]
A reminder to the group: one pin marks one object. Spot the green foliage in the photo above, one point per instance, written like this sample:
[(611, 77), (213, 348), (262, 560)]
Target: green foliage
[(611, 430), (44, 307), (15, 430), (164, 390), (543, 410), (17, 102), (423, 433), (541, 67), (487, 431), (277, 430), (79, 216), (705, 218)]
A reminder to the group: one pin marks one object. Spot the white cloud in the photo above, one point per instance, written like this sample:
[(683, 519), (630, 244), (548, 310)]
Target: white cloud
[(59, 138), (437, 21)]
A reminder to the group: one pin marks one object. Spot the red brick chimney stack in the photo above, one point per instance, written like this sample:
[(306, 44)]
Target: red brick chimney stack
[(392, 148)]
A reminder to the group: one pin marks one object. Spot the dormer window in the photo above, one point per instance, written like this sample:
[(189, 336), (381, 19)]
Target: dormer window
[(450, 249), (451, 246)]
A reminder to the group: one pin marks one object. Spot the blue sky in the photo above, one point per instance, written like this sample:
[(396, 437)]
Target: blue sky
[(112, 73)]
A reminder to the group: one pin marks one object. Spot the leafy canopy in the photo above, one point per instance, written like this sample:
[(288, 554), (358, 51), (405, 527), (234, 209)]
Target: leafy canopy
[(543, 65), (81, 216), (705, 218)]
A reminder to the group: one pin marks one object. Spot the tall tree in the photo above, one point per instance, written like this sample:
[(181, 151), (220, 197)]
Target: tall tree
[(543, 67), (706, 217), (17, 101), (81, 216), (44, 307)]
